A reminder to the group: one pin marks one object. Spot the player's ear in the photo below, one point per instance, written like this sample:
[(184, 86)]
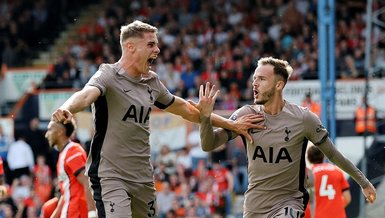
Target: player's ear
[(280, 85), (129, 46)]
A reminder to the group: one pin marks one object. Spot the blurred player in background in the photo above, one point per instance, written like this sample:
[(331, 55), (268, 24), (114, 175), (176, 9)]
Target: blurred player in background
[(3, 187), (276, 155), (123, 95), (331, 189), (76, 198)]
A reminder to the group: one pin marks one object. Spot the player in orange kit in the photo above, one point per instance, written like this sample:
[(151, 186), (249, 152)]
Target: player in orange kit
[(331, 189), (76, 199)]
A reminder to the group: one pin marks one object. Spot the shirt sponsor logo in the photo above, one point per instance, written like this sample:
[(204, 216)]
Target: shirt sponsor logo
[(138, 115), (268, 155)]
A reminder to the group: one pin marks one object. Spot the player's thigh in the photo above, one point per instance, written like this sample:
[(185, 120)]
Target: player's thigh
[(116, 200), (144, 200), (289, 212)]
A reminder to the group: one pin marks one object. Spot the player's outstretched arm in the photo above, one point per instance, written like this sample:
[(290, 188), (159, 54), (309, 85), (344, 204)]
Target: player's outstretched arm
[(192, 111), (77, 102), (210, 139), (346, 165)]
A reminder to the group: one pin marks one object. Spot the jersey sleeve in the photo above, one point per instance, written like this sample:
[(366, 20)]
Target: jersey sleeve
[(344, 182), (244, 110), (100, 78), (165, 98), (75, 160), (314, 129)]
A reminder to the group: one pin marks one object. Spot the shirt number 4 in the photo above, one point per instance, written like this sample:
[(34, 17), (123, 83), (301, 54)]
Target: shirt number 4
[(326, 189)]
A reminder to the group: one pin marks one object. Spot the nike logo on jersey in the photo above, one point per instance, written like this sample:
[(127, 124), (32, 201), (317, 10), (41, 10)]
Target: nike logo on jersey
[(253, 131), (124, 90)]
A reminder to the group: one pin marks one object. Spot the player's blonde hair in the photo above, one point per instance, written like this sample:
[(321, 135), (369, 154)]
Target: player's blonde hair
[(281, 67), (135, 29)]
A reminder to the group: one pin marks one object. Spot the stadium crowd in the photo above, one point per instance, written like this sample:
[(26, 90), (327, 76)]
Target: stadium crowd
[(217, 41)]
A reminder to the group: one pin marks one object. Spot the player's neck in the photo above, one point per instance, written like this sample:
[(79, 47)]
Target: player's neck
[(274, 106), (129, 67), (62, 143)]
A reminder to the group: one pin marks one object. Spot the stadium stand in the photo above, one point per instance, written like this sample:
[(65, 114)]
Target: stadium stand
[(216, 41)]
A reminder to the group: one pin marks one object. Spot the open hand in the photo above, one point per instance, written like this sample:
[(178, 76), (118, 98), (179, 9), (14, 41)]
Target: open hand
[(370, 193), (207, 97), (247, 122)]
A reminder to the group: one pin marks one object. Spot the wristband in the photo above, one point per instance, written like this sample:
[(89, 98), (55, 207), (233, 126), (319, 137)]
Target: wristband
[(91, 214)]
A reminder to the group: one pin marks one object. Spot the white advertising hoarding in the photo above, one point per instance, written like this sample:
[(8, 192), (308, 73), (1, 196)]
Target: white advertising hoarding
[(167, 129), (20, 80), (348, 95), (50, 100)]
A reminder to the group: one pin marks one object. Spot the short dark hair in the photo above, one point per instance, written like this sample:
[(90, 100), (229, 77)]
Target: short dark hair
[(314, 155), (69, 127)]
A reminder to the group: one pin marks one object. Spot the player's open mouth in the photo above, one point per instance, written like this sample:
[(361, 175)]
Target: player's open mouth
[(150, 61), (255, 92)]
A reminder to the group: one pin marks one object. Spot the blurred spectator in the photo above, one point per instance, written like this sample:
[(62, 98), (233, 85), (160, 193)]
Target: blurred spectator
[(174, 183), (224, 184), (42, 179), (200, 174), (164, 199), (160, 175), (3, 185), (5, 143), (21, 189), (183, 157), (167, 158), (312, 105), (239, 168), (189, 75), (311, 71), (20, 158), (35, 138), (6, 210), (197, 154), (201, 208), (209, 196), (365, 115), (228, 102), (292, 20)]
